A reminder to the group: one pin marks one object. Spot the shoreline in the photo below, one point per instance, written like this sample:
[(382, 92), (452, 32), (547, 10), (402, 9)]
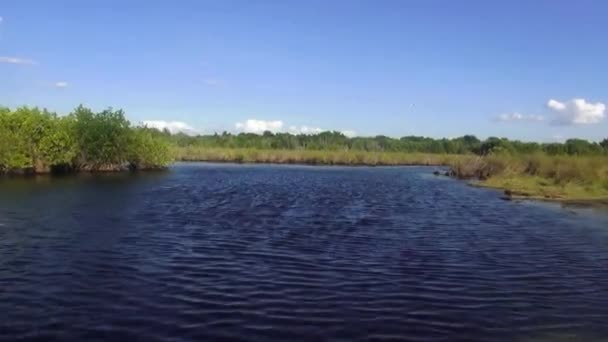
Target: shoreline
[(306, 163), (25, 173), (449, 168), (507, 192), (520, 195)]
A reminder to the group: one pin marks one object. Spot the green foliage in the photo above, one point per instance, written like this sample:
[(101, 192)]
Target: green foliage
[(38, 140), (582, 147), (336, 141), (13, 149), (59, 146), (20, 137), (148, 149), (102, 138)]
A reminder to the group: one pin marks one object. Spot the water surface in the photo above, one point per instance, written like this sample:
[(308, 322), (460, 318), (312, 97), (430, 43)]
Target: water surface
[(275, 253)]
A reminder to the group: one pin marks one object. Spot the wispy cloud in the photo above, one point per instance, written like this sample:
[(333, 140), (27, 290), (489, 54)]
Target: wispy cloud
[(275, 126), (305, 130), (17, 60), (349, 133), (317, 130), (514, 117), (1, 20), (48, 84), (577, 111), (172, 126), (259, 126), (214, 82)]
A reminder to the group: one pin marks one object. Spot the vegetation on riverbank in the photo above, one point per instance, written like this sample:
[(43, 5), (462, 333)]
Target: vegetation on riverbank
[(35, 140), (312, 157), (336, 141), (527, 176), (539, 176)]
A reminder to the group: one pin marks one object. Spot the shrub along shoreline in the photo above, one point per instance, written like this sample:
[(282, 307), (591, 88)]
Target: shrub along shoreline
[(35, 141)]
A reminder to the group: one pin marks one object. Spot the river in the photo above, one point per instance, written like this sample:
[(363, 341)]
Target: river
[(276, 253)]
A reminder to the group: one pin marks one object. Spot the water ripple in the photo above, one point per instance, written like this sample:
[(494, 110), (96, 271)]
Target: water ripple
[(269, 253)]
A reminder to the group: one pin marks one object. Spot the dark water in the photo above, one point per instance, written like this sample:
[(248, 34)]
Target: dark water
[(278, 253)]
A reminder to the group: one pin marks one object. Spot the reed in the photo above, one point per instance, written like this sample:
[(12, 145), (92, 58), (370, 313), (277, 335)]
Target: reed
[(312, 157), (539, 175)]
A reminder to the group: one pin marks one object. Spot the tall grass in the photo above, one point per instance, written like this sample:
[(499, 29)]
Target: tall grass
[(311, 157), (540, 175)]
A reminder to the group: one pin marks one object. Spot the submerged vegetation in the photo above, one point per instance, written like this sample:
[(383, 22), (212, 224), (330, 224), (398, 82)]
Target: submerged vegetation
[(34, 140)]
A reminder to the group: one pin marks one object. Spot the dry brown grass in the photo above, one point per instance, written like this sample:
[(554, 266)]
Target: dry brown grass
[(311, 157)]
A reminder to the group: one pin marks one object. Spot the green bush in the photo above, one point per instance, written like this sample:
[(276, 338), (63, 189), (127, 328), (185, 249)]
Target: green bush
[(147, 149), (37, 140)]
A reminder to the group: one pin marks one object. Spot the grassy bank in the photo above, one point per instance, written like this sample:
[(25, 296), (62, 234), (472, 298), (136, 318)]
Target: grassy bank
[(539, 176), (312, 157), (34, 141)]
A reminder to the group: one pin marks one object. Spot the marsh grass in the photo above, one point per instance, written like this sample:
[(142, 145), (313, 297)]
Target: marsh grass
[(312, 157), (549, 177)]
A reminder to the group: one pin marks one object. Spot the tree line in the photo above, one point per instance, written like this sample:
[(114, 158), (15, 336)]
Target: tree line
[(335, 141), (36, 140)]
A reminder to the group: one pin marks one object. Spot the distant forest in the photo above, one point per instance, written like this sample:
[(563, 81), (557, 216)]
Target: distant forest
[(335, 141)]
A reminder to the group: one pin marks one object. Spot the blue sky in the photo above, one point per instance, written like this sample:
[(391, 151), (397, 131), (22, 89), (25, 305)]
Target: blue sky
[(433, 68)]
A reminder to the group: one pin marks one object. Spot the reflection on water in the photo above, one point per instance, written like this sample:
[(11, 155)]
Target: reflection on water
[(272, 253)]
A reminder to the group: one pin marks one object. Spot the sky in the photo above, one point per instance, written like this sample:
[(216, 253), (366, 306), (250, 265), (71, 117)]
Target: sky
[(529, 70)]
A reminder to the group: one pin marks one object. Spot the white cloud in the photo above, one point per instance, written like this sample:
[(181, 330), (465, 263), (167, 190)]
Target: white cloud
[(509, 117), (349, 133), (61, 84), (577, 111), (305, 130), (17, 60), (259, 126), (555, 105), (173, 126)]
